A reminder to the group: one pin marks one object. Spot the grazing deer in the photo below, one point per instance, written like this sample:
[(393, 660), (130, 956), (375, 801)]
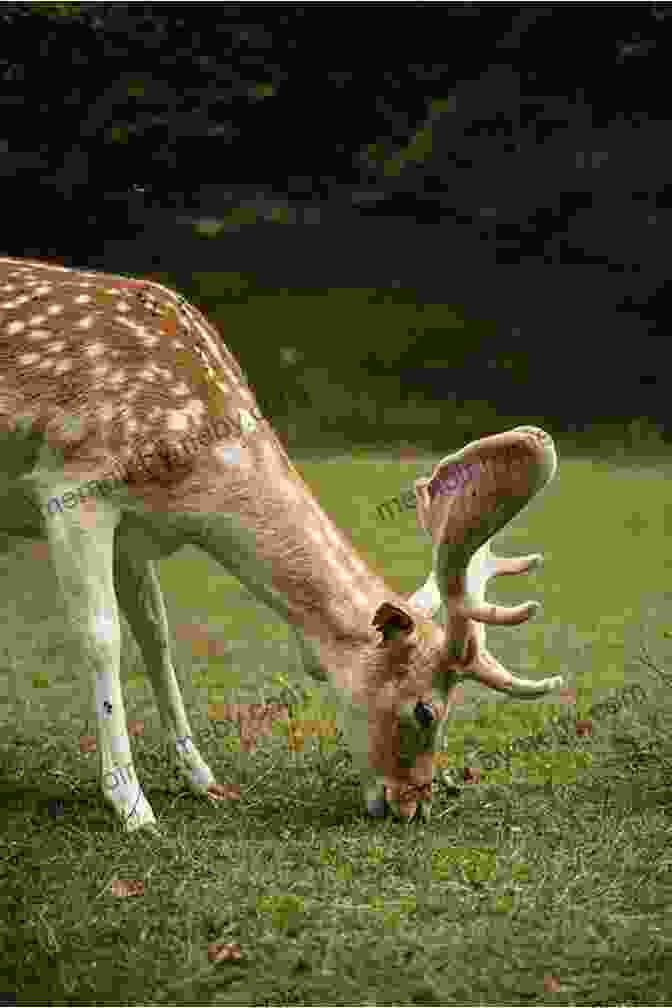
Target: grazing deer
[(100, 378)]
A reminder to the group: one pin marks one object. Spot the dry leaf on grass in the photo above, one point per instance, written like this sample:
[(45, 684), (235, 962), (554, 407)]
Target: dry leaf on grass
[(551, 984), (127, 887), (224, 952), (471, 775), (567, 695)]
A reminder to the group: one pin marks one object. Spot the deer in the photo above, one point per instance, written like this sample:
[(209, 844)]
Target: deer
[(102, 381)]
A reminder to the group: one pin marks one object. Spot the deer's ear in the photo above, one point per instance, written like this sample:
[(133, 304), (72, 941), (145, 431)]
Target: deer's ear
[(392, 622)]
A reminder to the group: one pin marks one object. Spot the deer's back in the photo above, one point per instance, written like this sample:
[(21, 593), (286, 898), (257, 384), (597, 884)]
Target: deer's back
[(101, 364)]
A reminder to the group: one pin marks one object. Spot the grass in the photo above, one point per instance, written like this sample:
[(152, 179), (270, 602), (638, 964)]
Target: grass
[(547, 883)]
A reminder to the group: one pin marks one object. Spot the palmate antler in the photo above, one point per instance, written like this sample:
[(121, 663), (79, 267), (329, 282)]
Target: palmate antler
[(499, 476)]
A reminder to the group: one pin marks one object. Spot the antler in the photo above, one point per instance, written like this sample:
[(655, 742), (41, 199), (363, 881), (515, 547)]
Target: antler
[(460, 525)]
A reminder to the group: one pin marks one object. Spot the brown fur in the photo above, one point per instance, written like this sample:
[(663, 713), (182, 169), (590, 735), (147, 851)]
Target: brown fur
[(145, 384)]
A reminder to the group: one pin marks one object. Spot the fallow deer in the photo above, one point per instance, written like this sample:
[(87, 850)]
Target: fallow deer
[(98, 372)]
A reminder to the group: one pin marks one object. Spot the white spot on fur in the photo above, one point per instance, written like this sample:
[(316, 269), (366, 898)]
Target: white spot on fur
[(57, 346), (232, 455), (86, 322), (29, 358), (8, 288), (181, 389), (100, 371), (122, 306), (83, 298), (55, 309), (37, 320), (38, 334), (15, 327), (130, 324), (118, 378), (62, 366), (176, 421), (195, 409), (95, 350), (106, 413), (44, 289)]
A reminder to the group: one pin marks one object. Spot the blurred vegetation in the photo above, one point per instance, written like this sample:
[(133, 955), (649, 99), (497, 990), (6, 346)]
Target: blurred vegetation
[(345, 367), (239, 119)]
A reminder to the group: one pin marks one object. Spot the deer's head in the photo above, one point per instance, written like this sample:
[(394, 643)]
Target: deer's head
[(421, 650)]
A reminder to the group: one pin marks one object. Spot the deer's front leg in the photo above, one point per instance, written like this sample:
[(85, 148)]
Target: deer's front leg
[(82, 542), (140, 597)]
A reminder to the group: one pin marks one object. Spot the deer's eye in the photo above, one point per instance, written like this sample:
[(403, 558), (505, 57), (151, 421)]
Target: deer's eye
[(424, 714)]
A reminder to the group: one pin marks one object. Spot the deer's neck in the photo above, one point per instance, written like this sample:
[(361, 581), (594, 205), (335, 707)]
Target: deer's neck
[(331, 593), (312, 575)]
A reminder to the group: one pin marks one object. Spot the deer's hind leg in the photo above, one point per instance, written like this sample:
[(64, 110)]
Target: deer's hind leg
[(81, 543)]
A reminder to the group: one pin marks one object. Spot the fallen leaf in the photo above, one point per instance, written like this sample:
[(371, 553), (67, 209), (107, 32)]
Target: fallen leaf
[(567, 695), (407, 453), (40, 550), (128, 887), (223, 792), (551, 984), (584, 727), (224, 952), (87, 743)]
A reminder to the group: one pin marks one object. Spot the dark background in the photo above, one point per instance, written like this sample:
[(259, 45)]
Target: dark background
[(431, 220)]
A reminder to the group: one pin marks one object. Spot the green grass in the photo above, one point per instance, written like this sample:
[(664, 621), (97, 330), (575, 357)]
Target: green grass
[(558, 867)]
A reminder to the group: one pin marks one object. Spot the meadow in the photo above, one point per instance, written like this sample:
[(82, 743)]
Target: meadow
[(544, 882)]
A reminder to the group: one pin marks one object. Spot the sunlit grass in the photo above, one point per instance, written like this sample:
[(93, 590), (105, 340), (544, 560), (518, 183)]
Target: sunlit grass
[(550, 876)]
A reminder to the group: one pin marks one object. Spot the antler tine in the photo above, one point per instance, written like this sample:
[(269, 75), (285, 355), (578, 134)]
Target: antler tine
[(483, 566), (484, 667), (517, 565), (495, 615), (505, 615), (487, 670), (481, 570)]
